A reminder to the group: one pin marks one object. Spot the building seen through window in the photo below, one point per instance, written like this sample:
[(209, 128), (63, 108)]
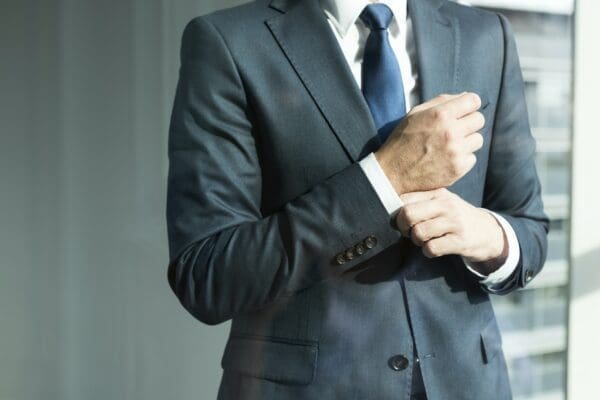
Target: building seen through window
[(534, 320)]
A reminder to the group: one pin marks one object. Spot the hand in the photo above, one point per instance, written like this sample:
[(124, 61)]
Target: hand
[(442, 223), (433, 145)]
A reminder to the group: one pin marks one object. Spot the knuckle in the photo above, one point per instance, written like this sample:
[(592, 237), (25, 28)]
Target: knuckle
[(430, 249), (440, 114), (402, 226), (456, 162), (452, 151), (418, 232), (405, 214), (454, 169), (448, 135)]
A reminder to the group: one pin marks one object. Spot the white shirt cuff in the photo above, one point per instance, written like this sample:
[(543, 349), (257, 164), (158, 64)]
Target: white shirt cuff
[(514, 252), (392, 203), (381, 184)]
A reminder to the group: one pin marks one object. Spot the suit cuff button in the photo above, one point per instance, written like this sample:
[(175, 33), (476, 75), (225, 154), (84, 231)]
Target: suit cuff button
[(370, 242), (339, 259), (360, 249), (349, 254)]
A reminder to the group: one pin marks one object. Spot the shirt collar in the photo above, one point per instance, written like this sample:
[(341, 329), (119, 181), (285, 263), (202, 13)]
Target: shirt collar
[(344, 13)]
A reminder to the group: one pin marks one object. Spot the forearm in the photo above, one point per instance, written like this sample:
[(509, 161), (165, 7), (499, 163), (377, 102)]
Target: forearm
[(243, 267), (226, 255)]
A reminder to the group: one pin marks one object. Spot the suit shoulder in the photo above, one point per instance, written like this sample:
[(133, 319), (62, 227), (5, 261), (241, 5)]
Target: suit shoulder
[(476, 21), (238, 27), (463, 11), (241, 29), (238, 18)]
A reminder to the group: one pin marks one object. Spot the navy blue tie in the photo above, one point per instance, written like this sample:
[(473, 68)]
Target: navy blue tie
[(381, 78)]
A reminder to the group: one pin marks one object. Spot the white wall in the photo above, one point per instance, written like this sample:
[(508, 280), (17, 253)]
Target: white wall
[(29, 283), (85, 308), (584, 318)]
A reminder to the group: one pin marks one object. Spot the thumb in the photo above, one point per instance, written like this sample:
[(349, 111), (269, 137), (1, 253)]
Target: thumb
[(414, 197), (436, 101)]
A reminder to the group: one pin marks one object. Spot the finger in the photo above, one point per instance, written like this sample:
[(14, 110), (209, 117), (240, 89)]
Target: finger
[(468, 162), (471, 122), (431, 229), (436, 101), (462, 105), (414, 197), (473, 142), (441, 246), (414, 213)]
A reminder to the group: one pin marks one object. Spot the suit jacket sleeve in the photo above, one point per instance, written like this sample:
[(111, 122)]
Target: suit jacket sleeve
[(225, 256), (512, 185)]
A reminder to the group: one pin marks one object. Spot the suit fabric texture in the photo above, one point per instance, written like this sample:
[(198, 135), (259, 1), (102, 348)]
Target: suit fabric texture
[(273, 224)]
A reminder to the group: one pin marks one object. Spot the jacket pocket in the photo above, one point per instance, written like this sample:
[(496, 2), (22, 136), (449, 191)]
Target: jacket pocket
[(275, 359), (491, 341)]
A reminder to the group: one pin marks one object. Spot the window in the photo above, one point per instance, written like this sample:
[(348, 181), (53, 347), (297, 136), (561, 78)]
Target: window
[(534, 320)]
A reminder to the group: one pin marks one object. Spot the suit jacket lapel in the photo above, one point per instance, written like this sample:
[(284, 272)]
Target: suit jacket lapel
[(438, 50), (305, 37), (437, 44)]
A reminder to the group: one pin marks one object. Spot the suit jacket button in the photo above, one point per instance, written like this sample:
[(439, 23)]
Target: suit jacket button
[(339, 259), (349, 254), (359, 249), (528, 275), (398, 362), (370, 242)]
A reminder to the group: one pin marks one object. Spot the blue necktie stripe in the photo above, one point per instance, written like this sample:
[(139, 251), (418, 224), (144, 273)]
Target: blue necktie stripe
[(382, 84)]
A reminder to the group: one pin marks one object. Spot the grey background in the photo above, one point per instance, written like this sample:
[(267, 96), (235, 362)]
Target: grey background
[(85, 308)]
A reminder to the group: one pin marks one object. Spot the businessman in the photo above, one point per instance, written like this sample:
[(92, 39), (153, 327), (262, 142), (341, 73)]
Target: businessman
[(349, 182)]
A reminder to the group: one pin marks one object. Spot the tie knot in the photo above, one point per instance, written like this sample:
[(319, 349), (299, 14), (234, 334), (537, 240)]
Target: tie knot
[(377, 16)]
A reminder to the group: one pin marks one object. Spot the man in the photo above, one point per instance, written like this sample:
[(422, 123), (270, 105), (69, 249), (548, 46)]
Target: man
[(348, 183)]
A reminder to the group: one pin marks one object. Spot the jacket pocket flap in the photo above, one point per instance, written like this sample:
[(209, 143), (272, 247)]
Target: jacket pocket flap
[(275, 359), (491, 341)]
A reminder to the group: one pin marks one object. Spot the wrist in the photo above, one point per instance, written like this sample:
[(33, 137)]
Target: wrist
[(390, 171), (495, 249)]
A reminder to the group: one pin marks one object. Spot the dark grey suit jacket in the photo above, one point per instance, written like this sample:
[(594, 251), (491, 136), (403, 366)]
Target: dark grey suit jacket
[(273, 224)]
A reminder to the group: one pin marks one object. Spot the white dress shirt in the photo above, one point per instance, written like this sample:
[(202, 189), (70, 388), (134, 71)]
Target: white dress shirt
[(351, 34)]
